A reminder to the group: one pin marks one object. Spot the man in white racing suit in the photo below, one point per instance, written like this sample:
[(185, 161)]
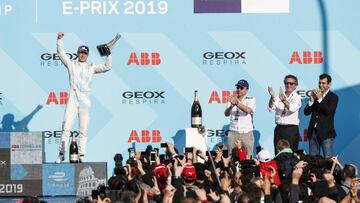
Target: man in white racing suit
[(80, 75)]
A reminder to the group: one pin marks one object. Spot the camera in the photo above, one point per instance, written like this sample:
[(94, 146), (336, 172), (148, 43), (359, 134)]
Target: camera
[(131, 153), (152, 156), (102, 191), (188, 149), (226, 153), (163, 145), (118, 170), (131, 161), (210, 153), (248, 167)]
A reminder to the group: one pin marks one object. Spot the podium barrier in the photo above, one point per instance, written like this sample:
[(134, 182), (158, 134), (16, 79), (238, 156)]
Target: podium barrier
[(22, 171), (193, 138)]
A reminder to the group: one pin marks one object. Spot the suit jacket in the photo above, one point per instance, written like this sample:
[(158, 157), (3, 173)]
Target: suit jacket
[(323, 114)]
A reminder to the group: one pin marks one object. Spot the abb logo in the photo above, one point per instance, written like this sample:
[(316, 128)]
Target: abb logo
[(63, 98), (145, 136), (307, 57), (145, 59), (225, 95)]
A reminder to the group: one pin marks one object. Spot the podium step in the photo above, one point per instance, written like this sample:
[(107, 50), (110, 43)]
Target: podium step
[(51, 179)]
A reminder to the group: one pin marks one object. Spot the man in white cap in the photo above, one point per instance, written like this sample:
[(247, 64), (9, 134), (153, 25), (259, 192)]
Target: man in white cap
[(80, 76)]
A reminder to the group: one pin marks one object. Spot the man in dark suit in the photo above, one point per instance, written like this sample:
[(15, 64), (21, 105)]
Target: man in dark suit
[(322, 107)]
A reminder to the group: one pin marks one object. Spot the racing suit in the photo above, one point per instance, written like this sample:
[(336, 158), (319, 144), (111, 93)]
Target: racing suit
[(80, 75)]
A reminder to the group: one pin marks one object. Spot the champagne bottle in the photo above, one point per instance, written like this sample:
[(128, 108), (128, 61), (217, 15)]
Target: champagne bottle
[(74, 152), (196, 113)]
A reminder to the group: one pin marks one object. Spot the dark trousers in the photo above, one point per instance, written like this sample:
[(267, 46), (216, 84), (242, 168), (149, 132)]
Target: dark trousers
[(289, 133)]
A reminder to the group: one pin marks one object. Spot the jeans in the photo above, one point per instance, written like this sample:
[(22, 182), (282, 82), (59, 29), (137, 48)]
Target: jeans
[(315, 143)]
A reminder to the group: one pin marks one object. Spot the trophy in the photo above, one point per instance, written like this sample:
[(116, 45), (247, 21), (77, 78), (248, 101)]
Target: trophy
[(104, 49)]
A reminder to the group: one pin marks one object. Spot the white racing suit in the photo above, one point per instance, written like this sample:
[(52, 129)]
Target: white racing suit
[(80, 75)]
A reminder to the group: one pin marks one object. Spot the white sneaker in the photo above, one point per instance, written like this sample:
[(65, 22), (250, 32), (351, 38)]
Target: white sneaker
[(81, 158), (60, 158)]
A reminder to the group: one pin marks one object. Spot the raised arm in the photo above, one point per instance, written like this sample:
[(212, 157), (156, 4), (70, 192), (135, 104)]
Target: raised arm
[(101, 68), (60, 50)]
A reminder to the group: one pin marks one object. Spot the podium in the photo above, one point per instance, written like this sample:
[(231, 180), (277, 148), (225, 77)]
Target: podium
[(193, 138), (22, 171)]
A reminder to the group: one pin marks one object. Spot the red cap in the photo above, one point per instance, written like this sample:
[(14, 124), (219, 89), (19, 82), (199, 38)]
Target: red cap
[(160, 171), (189, 172)]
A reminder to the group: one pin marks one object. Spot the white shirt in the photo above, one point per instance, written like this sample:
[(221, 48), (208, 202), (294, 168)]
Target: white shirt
[(287, 116), (239, 120)]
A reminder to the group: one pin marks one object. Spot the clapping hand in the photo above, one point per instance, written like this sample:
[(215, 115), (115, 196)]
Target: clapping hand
[(271, 91)]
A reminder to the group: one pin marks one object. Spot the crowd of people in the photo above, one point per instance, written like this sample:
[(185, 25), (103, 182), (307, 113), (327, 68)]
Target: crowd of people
[(224, 177), (199, 176)]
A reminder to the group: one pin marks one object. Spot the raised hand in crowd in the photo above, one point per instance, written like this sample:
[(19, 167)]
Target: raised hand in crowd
[(155, 189), (201, 154), (225, 182), (219, 154), (213, 196), (140, 167), (335, 159), (226, 161), (329, 178), (201, 194), (60, 35), (99, 200), (128, 172), (266, 186), (179, 166), (170, 148), (296, 175), (168, 194)]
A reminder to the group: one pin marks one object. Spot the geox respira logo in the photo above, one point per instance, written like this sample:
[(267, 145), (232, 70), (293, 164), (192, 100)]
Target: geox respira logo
[(224, 58), (216, 135), (53, 137), (143, 97), (53, 59)]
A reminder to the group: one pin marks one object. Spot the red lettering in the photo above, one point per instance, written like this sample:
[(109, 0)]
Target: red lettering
[(134, 136), (133, 59), (295, 58), (52, 98)]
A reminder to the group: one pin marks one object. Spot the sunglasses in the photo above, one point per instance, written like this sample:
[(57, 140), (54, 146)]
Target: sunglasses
[(241, 88), (290, 83)]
